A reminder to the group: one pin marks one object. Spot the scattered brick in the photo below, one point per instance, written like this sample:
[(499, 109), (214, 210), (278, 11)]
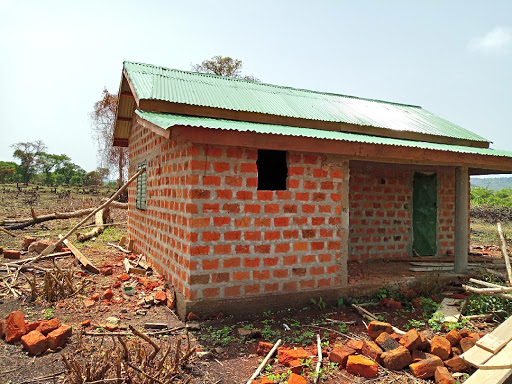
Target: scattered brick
[(287, 355), (424, 344), (263, 380), (296, 379), (106, 271), (33, 326), (411, 340), (27, 240), (45, 327), (397, 358), (386, 342), (465, 332), (34, 342), (442, 376), (467, 343), (340, 355), (264, 348), (40, 245), (15, 326), (160, 296), (456, 350), (375, 328), (124, 277), (418, 355), (372, 350), (2, 329), (426, 368), (192, 317), (107, 294), (11, 254), (441, 347), (359, 365), (456, 364), (295, 366), (453, 337), (356, 344), (86, 323), (59, 337), (396, 336), (88, 303)]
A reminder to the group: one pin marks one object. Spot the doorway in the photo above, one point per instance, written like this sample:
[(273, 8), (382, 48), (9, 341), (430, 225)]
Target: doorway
[(424, 214)]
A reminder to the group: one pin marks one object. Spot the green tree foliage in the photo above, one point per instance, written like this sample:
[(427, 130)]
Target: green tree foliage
[(66, 171), (47, 163), (28, 153), (223, 66), (96, 177), (481, 196), (8, 171), (103, 118)]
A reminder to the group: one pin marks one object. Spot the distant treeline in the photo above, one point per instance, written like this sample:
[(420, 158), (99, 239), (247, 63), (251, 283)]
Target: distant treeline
[(484, 197)]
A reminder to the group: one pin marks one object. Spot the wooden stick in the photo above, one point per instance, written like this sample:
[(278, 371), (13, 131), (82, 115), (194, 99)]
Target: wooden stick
[(264, 362), (103, 225), (148, 339), (51, 248), (167, 331), (490, 290), (483, 292), (319, 362), (80, 257), (119, 247), (370, 316), (143, 373), (7, 232), (47, 257), (505, 254)]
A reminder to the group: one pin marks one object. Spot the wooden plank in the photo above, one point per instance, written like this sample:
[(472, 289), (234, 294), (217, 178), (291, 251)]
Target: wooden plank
[(131, 269), (476, 356), (498, 338), (80, 257), (449, 308), (493, 376), (438, 264)]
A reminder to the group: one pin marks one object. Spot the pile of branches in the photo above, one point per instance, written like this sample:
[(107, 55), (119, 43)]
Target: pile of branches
[(491, 215), (136, 361)]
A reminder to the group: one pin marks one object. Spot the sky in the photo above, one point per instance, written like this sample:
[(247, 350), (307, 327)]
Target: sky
[(454, 58)]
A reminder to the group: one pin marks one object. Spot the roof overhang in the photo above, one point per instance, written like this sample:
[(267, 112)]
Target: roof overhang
[(353, 146)]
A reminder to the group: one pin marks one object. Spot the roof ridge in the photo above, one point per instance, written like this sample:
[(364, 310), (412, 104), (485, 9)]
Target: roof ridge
[(273, 85)]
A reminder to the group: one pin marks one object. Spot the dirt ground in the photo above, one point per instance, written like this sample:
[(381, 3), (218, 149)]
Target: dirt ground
[(226, 346)]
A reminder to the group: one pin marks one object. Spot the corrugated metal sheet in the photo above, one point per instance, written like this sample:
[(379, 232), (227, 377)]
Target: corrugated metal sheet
[(165, 121), (193, 88)]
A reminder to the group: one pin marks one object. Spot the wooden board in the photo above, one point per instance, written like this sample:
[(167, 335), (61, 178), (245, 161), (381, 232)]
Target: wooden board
[(498, 338), (81, 258), (430, 269), (434, 264), (450, 310), (131, 269), (494, 376), (476, 356)]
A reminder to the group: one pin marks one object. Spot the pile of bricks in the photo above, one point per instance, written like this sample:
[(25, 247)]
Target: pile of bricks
[(36, 337), (425, 358)]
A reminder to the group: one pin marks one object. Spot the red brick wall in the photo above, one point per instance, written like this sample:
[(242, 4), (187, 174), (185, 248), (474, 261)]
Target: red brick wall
[(446, 214), (248, 242)]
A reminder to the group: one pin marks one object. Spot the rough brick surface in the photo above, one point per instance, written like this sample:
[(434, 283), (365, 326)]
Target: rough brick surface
[(295, 366), (442, 376), (375, 328), (386, 342), (59, 337), (426, 368), (411, 340), (2, 329), (286, 355), (424, 343), (372, 350), (441, 347), (359, 365), (397, 358), (15, 326), (453, 337), (466, 343), (27, 240), (45, 327), (11, 254), (355, 344), (340, 355), (456, 364), (418, 355), (34, 342), (264, 348), (296, 379), (33, 326)]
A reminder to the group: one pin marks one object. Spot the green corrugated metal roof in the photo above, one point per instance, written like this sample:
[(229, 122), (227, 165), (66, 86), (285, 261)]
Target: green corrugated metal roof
[(165, 121), (152, 82)]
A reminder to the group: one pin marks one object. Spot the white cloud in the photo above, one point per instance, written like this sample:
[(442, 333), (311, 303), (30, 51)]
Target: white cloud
[(497, 40)]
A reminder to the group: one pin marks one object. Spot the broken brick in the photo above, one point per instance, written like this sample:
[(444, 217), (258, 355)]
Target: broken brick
[(296, 379), (456, 364), (453, 337), (441, 347), (33, 326), (442, 376), (386, 342), (418, 355), (160, 296), (411, 340), (11, 254), (107, 294), (106, 271), (340, 355), (424, 343), (34, 342), (264, 348), (375, 328), (467, 343), (86, 323), (355, 344), (426, 368), (27, 240), (372, 350), (88, 303), (15, 326), (124, 277), (286, 355), (295, 366), (59, 337), (2, 329), (359, 365), (397, 358), (45, 327), (465, 332), (456, 350), (192, 317), (263, 380)]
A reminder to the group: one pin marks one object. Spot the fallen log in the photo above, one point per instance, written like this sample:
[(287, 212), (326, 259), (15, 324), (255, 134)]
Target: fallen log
[(30, 221), (47, 257), (51, 248), (99, 220), (503, 247), (79, 255), (491, 292)]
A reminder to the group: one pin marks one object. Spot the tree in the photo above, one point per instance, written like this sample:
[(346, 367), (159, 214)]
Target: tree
[(48, 162), (66, 171), (8, 171), (103, 120), (223, 66), (28, 153), (96, 177)]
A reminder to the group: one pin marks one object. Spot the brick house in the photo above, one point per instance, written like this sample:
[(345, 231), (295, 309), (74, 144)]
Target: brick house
[(255, 192)]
